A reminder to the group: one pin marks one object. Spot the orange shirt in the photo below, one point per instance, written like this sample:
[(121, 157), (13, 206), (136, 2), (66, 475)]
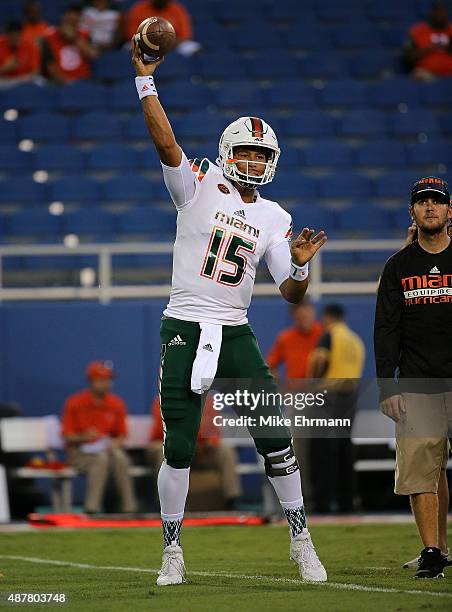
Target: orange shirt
[(292, 348), (439, 61), (208, 433), (27, 54), (67, 56), (175, 13), (82, 412), (35, 30)]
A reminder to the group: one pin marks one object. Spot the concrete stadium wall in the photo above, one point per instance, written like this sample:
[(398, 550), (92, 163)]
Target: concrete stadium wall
[(44, 347)]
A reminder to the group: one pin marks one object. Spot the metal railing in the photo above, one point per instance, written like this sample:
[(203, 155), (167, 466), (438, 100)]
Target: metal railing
[(105, 291)]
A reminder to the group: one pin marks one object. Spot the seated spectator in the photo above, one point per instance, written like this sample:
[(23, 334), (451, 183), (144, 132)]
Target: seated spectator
[(94, 429), (102, 21), (172, 11), (211, 453), (33, 25), (428, 52), (67, 50), (20, 58)]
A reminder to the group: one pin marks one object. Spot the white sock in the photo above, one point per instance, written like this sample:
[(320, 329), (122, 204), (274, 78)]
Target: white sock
[(288, 490), (172, 486)]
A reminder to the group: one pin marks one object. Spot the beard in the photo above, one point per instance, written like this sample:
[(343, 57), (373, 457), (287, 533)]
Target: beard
[(430, 229)]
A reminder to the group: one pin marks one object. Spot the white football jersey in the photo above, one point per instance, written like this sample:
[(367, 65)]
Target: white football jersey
[(219, 242)]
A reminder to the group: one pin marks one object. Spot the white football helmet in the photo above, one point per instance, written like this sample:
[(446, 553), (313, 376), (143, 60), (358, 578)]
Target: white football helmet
[(248, 131)]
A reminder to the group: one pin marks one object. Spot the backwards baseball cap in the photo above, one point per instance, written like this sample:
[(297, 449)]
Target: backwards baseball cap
[(100, 369), (430, 184)]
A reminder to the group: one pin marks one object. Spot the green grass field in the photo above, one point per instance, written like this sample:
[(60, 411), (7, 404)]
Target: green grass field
[(229, 568)]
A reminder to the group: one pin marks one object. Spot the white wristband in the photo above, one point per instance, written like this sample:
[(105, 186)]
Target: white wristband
[(299, 273), (145, 86)]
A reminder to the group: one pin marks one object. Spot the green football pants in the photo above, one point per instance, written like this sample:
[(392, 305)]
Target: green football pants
[(240, 357)]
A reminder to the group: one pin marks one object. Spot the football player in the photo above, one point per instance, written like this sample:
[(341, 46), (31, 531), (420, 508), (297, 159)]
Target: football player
[(224, 228)]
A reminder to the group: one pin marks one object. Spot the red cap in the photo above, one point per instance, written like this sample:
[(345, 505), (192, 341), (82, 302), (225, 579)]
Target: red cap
[(100, 369)]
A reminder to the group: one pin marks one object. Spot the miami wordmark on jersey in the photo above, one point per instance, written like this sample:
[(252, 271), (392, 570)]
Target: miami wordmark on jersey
[(219, 242)]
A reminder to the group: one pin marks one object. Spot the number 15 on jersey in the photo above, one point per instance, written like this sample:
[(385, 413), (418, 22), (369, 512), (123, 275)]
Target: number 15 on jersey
[(226, 247)]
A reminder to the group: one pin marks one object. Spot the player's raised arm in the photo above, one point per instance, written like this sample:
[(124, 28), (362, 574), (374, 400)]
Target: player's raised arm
[(155, 117)]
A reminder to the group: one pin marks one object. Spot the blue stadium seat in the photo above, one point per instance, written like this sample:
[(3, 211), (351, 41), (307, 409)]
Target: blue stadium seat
[(371, 63), (97, 126), (292, 94), (79, 189), (150, 220), (288, 185), (305, 36), (446, 124), (113, 157), (323, 64), (363, 123), (182, 96), (34, 223), (176, 66), (308, 124), (271, 63), (22, 190), (128, 187), (45, 127), (362, 216), (8, 133), (89, 221), (338, 11), (391, 93), (113, 65), (327, 153), (11, 158), (413, 123), (238, 94), (82, 96), (290, 157), (345, 185), (49, 262), (356, 36), (200, 125), (259, 38), (344, 93), (59, 157), (431, 153), (312, 216), (395, 184), (401, 218), (123, 97), (219, 64), (437, 94), (237, 11), (391, 12), (382, 153), (28, 97), (134, 128)]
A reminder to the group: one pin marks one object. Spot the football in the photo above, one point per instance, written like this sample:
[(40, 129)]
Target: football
[(155, 37)]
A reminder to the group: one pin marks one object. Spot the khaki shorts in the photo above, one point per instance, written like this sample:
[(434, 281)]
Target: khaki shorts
[(422, 445)]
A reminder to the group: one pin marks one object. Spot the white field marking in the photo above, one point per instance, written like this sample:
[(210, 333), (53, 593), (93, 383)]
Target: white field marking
[(333, 585)]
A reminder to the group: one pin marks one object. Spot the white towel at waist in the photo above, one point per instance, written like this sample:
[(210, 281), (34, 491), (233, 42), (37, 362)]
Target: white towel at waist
[(206, 360)]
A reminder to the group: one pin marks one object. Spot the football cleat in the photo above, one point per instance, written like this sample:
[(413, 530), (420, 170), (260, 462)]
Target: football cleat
[(414, 563), (431, 564), (173, 568), (302, 551)]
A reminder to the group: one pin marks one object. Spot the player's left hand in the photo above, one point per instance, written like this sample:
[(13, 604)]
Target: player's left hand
[(306, 245)]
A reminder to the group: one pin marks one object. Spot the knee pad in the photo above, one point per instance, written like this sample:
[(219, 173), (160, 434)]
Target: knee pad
[(281, 463), (178, 450)]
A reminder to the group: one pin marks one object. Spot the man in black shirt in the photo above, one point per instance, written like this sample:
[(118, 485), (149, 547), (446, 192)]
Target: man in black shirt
[(413, 339)]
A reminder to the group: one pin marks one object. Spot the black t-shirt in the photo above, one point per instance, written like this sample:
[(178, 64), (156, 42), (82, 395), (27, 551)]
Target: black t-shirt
[(413, 317)]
